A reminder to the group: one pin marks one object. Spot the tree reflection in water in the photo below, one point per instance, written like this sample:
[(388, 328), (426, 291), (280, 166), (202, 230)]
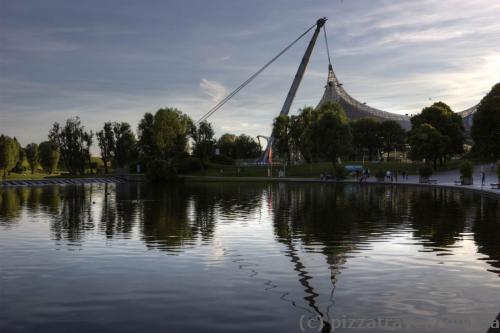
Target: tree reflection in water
[(333, 221)]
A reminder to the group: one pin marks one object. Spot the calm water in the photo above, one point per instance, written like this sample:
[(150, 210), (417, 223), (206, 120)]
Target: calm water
[(247, 258)]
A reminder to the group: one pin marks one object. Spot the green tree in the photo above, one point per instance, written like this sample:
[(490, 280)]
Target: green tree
[(282, 138), (9, 153), (145, 133), (427, 143), (333, 135), (246, 147), (33, 156), (204, 142), (107, 144), (392, 136), (170, 132), (227, 145), (125, 144), (74, 144), (49, 156), (448, 123), (19, 167), (485, 130), (366, 135)]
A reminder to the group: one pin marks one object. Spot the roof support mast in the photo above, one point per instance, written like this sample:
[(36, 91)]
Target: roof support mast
[(296, 83)]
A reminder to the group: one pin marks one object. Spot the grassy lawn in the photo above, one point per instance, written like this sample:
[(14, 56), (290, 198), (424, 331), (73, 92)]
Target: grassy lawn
[(315, 169)]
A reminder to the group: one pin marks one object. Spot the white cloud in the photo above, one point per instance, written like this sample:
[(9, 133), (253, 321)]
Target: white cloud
[(213, 89)]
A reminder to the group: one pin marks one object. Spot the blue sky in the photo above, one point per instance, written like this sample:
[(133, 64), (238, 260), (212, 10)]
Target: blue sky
[(116, 60)]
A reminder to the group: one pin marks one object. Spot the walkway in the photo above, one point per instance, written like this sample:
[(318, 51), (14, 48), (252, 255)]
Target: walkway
[(60, 181)]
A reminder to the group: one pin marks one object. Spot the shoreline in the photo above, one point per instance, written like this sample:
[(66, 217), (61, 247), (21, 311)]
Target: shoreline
[(482, 190), (485, 190)]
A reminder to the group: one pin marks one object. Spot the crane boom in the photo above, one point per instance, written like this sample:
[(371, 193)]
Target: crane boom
[(296, 83)]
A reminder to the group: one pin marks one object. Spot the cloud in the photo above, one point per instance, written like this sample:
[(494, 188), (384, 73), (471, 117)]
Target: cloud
[(213, 89)]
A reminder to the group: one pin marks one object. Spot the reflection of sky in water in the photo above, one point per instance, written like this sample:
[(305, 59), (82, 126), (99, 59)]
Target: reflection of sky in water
[(241, 257)]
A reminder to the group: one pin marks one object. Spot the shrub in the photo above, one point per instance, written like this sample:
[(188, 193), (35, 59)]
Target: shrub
[(380, 174), (466, 169), (425, 171), (340, 172), (159, 171), (222, 159), (187, 164)]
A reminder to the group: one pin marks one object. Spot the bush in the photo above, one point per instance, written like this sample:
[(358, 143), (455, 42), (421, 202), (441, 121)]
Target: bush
[(380, 174), (187, 164), (425, 172), (159, 171), (466, 169), (222, 159), (340, 172)]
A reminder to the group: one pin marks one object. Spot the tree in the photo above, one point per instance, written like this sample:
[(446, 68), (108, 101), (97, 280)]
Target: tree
[(145, 133), (282, 138), (19, 167), (170, 132), (73, 143), (203, 137), (33, 156), (366, 135), (448, 123), (392, 136), (106, 141), (246, 147), (227, 145), (9, 153), (125, 144), (49, 156), (427, 143), (485, 130), (332, 135)]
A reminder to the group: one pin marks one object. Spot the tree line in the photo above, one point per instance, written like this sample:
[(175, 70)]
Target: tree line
[(167, 139), (436, 135)]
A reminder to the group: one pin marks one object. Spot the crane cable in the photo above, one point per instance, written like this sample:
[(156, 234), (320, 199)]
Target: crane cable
[(250, 79), (327, 48)]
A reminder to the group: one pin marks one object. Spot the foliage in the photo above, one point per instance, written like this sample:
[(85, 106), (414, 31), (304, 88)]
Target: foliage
[(447, 123), (106, 141), (73, 143), (485, 129), (125, 144), (9, 153), (170, 132), (204, 142), (227, 145), (187, 164), (222, 159), (340, 172), (49, 156), (19, 167), (246, 147), (380, 174), (425, 172), (282, 138), (160, 171), (145, 134), (366, 135), (392, 136), (466, 169), (33, 156), (332, 135), (426, 143)]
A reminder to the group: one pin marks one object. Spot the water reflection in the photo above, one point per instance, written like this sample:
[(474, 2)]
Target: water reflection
[(318, 228)]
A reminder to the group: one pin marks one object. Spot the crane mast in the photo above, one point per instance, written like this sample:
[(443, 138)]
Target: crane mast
[(295, 84)]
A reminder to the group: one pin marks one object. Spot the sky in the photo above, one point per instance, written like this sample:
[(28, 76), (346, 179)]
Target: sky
[(115, 60)]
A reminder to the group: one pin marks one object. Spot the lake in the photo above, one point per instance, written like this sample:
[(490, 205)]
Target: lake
[(247, 257)]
